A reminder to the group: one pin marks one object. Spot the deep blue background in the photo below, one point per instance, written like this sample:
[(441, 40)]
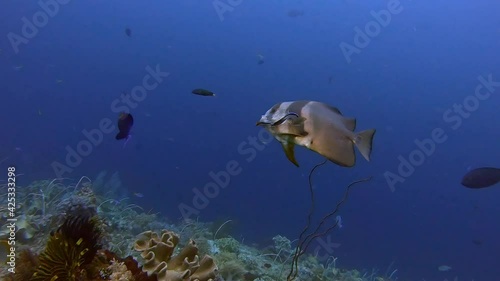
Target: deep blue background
[(427, 59)]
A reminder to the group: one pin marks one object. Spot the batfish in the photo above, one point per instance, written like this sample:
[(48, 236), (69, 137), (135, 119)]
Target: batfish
[(319, 127)]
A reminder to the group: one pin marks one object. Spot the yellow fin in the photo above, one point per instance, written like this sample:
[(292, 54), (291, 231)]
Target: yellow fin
[(289, 152)]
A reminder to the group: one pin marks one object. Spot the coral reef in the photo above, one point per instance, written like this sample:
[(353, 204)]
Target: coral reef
[(89, 216), (157, 252)]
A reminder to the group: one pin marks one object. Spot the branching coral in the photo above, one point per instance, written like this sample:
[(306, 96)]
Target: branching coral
[(107, 265), (119, 271), (157, 252)]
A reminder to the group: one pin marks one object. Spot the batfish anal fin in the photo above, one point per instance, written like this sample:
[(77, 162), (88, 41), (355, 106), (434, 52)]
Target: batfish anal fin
[(334, 145), (288, 147)]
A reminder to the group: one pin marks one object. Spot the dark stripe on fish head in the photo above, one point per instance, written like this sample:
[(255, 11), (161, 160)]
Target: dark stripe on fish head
[(288, 116), (268, 117), (293, 123), (297, 106), (284, 109)]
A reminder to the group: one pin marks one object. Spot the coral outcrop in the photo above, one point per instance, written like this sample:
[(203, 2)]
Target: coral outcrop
[(69, 250), (158, 253)]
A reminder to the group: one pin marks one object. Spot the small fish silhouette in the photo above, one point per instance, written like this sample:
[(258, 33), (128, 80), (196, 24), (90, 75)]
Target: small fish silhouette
[(203, 92), (125, 123)]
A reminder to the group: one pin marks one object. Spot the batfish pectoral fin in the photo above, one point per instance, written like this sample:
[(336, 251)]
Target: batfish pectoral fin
[(296, 127), (298, 130), (291, 129), (288, 147), (299, 120)]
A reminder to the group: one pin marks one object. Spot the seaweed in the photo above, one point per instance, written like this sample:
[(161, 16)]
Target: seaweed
[(304, 243)]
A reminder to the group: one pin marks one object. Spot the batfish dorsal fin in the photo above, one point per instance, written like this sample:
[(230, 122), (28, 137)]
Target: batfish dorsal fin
[(350, 123), (289, 152), (334, 109)]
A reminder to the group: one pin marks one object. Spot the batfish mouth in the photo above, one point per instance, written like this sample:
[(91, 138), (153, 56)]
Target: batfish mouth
[(263, 121)]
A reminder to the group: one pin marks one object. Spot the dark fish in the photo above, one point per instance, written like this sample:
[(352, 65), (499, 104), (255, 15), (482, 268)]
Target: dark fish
[(481, 177), (203, 92), (128, 32), (125, 122)]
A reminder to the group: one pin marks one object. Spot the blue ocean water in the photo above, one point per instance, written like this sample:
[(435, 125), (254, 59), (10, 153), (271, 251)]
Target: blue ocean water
[(62, 79)]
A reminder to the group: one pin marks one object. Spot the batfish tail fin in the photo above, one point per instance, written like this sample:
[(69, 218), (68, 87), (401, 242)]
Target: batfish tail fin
[(363, 142)]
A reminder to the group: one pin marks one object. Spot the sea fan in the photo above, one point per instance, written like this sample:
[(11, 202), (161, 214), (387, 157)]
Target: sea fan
[(68, 250)]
